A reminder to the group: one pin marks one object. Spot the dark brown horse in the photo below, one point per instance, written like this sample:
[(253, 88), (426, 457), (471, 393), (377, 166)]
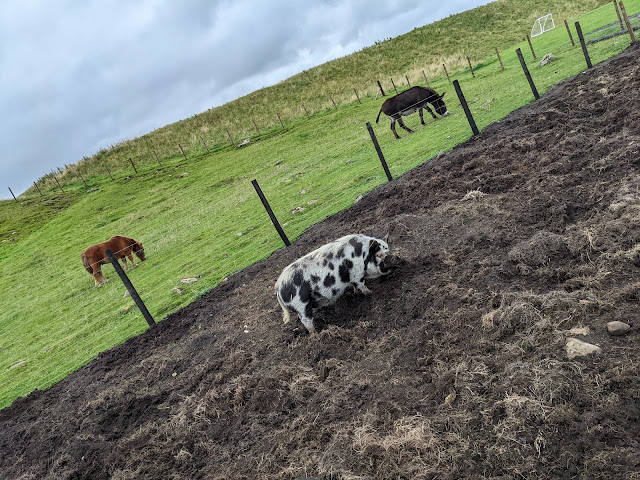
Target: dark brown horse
[(122, 247)]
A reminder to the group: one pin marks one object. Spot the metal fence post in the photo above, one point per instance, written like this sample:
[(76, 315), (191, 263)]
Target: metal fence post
[(132, 291), (380, 155), (584, 45), (528, 75), (465, 107), (274, 220)]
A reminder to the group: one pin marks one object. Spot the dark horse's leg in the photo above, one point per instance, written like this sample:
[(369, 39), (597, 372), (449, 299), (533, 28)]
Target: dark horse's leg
[(421, 116), (429, 110), (404, 126), (393, 128)]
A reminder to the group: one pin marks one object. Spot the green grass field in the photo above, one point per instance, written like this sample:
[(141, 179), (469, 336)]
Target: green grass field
[(201, 218)]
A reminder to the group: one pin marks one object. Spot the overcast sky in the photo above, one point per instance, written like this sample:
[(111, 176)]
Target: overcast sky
[(80, 75)]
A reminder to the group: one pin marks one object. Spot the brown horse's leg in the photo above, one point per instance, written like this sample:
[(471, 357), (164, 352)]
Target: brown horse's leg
[(133, 262), (98, 276), (124, 262)]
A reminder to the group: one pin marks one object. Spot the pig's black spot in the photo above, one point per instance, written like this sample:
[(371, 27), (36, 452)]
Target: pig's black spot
[(315, 278), (357, 246), (334, 291), (287, 292), (345, 270), (330, 255), (324, 262), (305, 292), (329, 280), (331, 267), (298, 277), (340, 253)]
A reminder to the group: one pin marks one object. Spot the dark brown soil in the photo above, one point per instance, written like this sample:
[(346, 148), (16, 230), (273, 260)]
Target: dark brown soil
[(455, 368)]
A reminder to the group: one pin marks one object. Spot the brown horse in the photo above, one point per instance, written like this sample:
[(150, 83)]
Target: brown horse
[(96, 255)]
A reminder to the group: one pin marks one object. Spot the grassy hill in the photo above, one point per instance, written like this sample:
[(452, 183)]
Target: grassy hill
[(200, 218)]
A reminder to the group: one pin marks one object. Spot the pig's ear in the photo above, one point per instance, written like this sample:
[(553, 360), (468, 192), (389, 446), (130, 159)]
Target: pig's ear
[(374, 247)]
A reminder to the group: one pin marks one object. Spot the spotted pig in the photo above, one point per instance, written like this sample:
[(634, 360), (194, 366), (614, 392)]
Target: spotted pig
[(321, 277)]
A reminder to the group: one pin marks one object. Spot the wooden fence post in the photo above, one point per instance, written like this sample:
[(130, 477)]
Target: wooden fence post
[(357, 96), (499, 59), (229, 135), (445, 71), (583, 45), (425, 79), (205, 144), (254, 124), (156, 155), (183, 154), (274, 220), (407, 77), (14, 197), (280, 120), (626, 20), (305, 111), (82, 178), (380, 87), (380, 155), (615, 4), (334, 103), (132, 291), (527, 74), (109, 172), (36, 185), (531, 47), (465, 107), (471, 68), (569, 31), (58, 183), (394, 86), (134, 167)]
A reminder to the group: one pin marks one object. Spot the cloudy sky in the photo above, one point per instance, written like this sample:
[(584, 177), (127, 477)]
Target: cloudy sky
[(78, 76)]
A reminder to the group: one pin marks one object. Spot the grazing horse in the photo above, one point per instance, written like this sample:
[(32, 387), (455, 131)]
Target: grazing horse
[(407, 102), (96, 255)]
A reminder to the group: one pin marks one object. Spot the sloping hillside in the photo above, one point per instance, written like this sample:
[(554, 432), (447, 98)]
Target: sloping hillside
[(509, 245)]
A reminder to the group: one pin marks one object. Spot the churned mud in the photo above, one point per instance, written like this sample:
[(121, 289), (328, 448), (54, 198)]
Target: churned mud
[(456, 367)]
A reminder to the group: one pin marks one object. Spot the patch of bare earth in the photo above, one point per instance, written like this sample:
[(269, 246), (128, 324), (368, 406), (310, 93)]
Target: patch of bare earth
[(457, 367)]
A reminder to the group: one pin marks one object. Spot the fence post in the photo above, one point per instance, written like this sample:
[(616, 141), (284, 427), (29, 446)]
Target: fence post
[(471, 68), (334, 103), (132, 291), (229, 135), (569, 31), (445, 71), (274, 220), (583, 45), (499, 59), (465, 107), (407, 77), (58, 183), (425, 79), (205, 144), (528, 75), (531, 47), (305, 111), (357, 96), (380, 155), (134, 167), (280, 120), (394, 86), (183, 154), (109, 172), (380, 87), (257, 129), (156, 155), (615, 4), (626, 20), (36, 185), (82, 178), (14, 197)]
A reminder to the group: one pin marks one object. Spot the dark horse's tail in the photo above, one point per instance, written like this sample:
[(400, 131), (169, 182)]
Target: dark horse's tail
[(379, 115), (86, 264)]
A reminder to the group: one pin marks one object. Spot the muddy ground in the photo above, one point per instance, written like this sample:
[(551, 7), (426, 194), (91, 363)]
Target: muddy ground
[(455, 368)]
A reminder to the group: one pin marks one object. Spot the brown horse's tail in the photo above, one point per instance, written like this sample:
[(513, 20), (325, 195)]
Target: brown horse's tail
[(85, 262)]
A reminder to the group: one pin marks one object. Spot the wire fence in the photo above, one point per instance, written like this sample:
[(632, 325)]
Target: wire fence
[(188, 256)]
